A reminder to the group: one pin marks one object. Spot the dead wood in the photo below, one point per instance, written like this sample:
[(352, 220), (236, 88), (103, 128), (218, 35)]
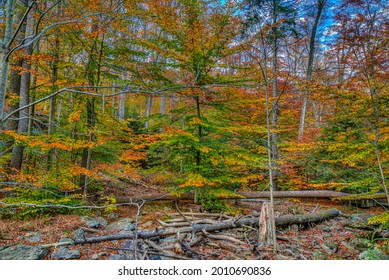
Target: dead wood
[(223, 237), (242, 222), (221, 215), (164, 251), (304, 219), (181, 224), (264, 227), (243, 195)]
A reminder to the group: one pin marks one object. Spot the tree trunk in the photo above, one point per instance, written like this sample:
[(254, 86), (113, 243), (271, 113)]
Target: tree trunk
[(162, 104), (311, 55), (274, 114), (4, 51), (122, 106), (53, 100), (14, 85), (17, 151), (87, 152), (148, 110)]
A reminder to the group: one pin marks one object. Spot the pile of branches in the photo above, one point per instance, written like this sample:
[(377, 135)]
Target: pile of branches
[(199, 236)]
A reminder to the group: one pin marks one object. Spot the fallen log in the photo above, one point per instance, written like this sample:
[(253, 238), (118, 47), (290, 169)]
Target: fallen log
[(239, 195), (305, 219), (248, 221)]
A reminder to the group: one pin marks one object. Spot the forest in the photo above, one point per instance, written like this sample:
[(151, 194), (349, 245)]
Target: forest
[(194, 129)]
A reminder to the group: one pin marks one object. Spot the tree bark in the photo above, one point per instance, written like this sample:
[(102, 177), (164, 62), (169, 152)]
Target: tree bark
[(4, 51), (53, 100), (122, 106), (17, 151), (148, 110)]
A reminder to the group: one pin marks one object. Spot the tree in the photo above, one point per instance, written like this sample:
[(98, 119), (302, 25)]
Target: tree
[(320, 7), (271, 20), (365, 35)]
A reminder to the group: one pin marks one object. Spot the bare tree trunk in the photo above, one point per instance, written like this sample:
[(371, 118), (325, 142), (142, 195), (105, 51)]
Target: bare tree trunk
[(148, 112), (271, 173), (4, 51), (311, 55), (33, 91), (87, 152), (93, 75), (122, 106), (173, 105), (274, 118), (53, 100), (162, 104), (14, 85), (265, 232), (374, 95), (17, 151), (162, 107), (122, 101)]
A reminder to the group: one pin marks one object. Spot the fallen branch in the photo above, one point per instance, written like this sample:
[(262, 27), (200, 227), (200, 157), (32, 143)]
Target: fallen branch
[(164, 251), (223, 237), (180, 224)]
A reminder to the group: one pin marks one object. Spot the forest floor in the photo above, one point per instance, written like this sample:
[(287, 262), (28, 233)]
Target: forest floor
[(344, 237)]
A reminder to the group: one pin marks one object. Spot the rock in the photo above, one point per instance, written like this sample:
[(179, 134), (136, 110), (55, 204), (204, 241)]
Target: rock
[(330, 247), (23, 252), (359, 221), (366, 234), (33, 237), (325, 226), (115, 257), (97, 256), (79, 234), (94, 222), (347, 245), (373, 254), (360, 244), (122, 224), (319, 255), (64, 253), (66, 239), (129, 257)]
